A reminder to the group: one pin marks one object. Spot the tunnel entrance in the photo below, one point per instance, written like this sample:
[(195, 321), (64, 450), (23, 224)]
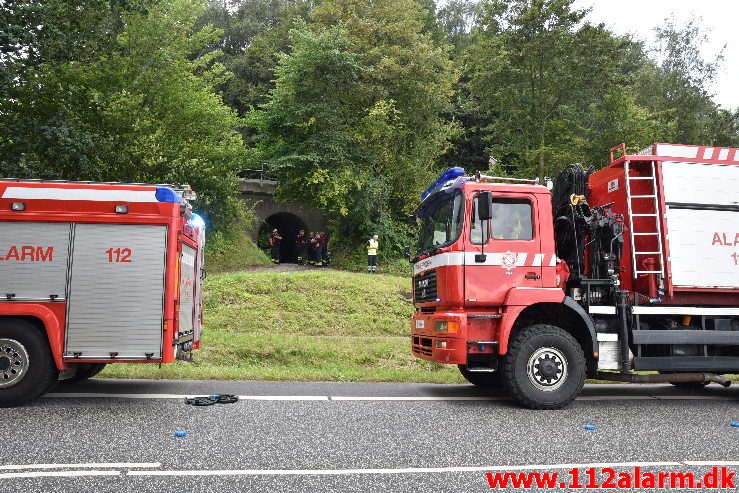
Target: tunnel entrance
[(288, 225)]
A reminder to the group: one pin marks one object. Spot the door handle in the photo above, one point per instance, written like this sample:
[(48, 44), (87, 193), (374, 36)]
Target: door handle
[(532, 275)]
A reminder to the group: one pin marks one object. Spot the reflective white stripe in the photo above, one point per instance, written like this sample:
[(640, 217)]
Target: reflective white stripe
[(94, 195), (468, 258), (708, 153), (602, 310), (682, 310), (455, 258), (492, 258), (677, 151), (723, 154), (606, 337)]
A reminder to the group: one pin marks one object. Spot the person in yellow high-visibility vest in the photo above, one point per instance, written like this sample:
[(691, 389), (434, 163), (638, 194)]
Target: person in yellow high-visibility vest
[(372, 246)]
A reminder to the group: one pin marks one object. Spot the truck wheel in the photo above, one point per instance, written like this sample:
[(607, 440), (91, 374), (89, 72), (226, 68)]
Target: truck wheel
[(483, 380), (26, 367), (85, 371), (544, 367)]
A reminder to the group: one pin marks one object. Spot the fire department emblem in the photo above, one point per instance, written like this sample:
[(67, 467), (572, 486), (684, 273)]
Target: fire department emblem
[(508, 262)]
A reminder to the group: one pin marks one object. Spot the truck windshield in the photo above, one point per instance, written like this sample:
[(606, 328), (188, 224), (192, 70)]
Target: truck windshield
[(442, 224)]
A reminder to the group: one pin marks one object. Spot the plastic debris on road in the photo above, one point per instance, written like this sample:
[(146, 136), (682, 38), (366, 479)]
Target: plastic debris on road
[(180, 433), (589, 427)]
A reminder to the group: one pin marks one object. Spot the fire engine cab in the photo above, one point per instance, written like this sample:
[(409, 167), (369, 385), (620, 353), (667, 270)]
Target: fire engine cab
[(91, 274), (629, 273)]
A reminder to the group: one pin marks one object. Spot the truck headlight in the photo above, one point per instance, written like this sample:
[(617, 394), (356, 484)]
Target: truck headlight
[(446, 326)]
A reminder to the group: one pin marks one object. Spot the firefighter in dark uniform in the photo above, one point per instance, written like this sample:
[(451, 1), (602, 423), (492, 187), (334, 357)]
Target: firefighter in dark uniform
[(319, 250), (301, 244), (311, 248), (275, 240)]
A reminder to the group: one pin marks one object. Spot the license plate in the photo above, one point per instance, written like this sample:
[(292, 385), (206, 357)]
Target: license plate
[(420, 324)]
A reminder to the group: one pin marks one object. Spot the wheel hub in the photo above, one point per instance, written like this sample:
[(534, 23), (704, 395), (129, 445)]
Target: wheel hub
[(13, 362), (547, 369)]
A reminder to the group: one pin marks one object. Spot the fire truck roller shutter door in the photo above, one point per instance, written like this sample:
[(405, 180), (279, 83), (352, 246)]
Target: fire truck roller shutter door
[(187, 289), (33, 260), (116, 292)]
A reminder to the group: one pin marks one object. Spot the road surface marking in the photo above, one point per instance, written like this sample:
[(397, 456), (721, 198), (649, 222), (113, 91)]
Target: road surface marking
[(710, 463), (407, 470), (319, 472), (57, 474), (77, 395), (184, 396), (95, 465)]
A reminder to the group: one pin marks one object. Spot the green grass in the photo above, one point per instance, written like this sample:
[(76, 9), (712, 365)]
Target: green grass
[(232, 251), (356, 261), (308, 325)]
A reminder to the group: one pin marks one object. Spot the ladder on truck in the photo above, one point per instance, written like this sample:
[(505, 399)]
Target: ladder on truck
[(653, 213)]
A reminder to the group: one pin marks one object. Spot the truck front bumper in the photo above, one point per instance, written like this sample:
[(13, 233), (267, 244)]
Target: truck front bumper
[(443, 337)]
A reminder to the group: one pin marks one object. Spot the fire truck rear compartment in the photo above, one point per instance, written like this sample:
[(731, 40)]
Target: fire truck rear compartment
[(115, 309), (114, 303)]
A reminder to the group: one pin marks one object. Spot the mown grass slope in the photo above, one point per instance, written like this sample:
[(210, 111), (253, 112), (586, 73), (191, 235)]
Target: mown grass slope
[(303, 325)]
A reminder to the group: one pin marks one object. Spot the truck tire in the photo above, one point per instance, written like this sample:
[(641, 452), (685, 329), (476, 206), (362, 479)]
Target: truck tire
[(483, 380), (544, 367), (26, 367), (85, 371)]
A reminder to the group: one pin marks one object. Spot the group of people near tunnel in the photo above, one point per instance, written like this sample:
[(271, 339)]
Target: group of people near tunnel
[(312, 248)]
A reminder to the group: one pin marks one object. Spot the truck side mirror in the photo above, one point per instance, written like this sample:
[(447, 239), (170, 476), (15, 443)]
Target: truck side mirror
[(410, 219), (407, 251), (485, 206)]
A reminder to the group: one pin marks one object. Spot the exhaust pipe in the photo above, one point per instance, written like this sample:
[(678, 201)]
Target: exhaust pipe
[(664, 378)]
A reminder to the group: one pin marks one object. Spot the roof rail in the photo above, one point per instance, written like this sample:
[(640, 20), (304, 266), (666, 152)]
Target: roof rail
[(480, 177)]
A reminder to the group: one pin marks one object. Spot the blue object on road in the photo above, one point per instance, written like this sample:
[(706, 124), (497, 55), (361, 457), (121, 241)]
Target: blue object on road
[(589, 427), (180, 433), (734, 424)]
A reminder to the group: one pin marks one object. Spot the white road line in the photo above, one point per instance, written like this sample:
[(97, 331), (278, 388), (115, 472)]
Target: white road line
[(183, 396), (57, 474), (407, 470), (326, 472), (420, 398), (98, 465), (75, 395), (710, 463)]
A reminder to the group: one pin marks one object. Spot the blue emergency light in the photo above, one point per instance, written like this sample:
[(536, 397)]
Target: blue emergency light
[(448, 175), (166, 194), (196, 221)]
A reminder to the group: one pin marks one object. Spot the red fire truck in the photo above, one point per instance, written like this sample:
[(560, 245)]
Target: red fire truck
[(91, 274), (630, 269)]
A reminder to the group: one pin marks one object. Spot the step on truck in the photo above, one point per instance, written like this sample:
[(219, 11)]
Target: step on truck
[(92, 274), (629, 273)]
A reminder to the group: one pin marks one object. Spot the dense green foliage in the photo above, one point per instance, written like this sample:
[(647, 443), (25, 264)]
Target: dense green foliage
[(353, 105), (120, 91)]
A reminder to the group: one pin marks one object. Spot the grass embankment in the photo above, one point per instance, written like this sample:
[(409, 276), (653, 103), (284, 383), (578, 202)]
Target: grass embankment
[(305, 325), (231, 252)]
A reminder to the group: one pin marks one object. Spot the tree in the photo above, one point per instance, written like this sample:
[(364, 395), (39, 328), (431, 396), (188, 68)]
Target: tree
[(138, 106), (354, 124), (545, 88), (677, 83)]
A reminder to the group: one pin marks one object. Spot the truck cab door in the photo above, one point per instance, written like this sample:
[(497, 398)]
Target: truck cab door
[(512, 254)]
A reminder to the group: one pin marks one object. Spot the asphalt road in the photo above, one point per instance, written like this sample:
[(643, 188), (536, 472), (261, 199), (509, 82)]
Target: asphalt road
[(119, 436)]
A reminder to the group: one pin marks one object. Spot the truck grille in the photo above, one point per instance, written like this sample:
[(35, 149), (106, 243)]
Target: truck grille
[(425, 287)]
